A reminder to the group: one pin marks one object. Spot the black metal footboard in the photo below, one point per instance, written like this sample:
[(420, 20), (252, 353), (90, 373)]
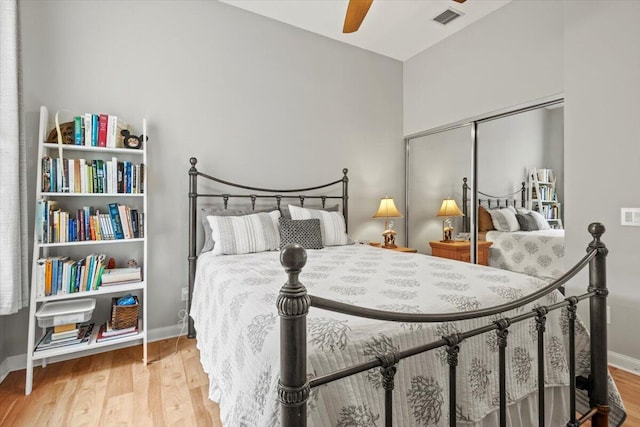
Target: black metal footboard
[(293, 306)]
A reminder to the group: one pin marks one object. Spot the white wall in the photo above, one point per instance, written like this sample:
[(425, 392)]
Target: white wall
[(512, 56), (256, 101), (602, 152), (529, 50)]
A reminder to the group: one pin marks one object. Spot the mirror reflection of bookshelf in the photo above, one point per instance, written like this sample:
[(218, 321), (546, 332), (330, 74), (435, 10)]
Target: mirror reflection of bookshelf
[(543, 196)]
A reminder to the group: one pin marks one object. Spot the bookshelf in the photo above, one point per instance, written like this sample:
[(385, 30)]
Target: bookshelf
[(77, 234), (543, 196)]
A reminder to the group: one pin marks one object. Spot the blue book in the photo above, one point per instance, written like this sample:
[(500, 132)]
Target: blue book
[(116, 222), (54, 276), (60, 284), (77, 129), (94, 130)]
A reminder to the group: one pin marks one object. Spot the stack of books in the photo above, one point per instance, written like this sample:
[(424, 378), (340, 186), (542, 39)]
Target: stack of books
[(118, 276), (65, 336), (107, 332)]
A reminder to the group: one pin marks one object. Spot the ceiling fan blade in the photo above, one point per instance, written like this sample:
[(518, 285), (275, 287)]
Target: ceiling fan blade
[(356, 12), (459, 1)]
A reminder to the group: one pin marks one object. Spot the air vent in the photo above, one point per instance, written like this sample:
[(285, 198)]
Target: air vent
[(447, 16)]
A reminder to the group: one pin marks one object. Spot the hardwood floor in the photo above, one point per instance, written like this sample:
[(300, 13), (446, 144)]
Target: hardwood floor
[(112, 388)]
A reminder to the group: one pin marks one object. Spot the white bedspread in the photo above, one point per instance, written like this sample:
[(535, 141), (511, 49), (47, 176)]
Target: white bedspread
[(536, 253), (238, 337)]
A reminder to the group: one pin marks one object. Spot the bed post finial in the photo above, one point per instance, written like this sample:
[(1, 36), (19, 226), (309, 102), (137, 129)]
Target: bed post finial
[(293, 306), (598, 324), (193, 161)]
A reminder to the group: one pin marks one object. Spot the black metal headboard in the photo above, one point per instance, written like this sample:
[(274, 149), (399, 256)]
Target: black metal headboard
[(277, 195), (491, 202)]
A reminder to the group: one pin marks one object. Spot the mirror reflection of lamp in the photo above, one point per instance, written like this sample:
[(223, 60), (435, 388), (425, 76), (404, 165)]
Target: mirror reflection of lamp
[(388, 210), (448, 209)]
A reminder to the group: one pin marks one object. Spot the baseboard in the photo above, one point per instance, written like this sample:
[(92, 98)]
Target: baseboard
[(623, 362), (4, 369), (18, 362)]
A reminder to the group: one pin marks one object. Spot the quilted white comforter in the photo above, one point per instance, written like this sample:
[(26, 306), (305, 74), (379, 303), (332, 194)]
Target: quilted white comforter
[(238, 336), (536, 253)]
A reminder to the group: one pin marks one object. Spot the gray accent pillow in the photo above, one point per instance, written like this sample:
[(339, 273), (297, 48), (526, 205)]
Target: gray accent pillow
[(527, 222), (205, 212), (305, 232)]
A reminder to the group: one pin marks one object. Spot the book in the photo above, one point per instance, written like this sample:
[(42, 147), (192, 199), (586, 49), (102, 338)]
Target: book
[(83, 336), (95, 128), (65, 328), (114, 276), (58, 336), (88, 131), (102, 130), (78, 130), (112, 129), (116, 221), (105, 334)]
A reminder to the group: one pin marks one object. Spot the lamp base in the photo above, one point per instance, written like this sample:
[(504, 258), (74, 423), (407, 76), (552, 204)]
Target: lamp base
[(389, 237)]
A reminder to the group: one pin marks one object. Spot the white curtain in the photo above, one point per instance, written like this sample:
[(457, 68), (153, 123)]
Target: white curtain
[(14, 289)]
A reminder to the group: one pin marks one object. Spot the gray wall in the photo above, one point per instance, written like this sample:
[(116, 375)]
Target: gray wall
[(437, 164), (530, 50), (257, 101), (554, 146), (602, 153), (507, 149), (511, 56)]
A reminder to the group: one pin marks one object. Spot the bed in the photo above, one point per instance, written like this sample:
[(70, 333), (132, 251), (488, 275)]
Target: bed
[(446, 368), (535, 249)]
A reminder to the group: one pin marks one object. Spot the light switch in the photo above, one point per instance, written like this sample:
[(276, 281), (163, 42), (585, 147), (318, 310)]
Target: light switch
[(630, 216)]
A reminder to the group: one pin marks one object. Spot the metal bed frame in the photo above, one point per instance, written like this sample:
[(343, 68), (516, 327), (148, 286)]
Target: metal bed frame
[(490, 202), (293, 304), (277, 195)]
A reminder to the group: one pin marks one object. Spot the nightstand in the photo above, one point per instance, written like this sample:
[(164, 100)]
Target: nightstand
[(398, 248), (460, 251)]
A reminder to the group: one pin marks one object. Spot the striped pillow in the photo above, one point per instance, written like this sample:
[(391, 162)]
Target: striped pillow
[(235, 235), (332, 226)]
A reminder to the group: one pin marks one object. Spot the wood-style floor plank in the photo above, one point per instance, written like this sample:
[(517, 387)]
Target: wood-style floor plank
[(116, 389)]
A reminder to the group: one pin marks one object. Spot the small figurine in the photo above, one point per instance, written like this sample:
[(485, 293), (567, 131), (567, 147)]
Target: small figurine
[(132, 263), (111, 264)]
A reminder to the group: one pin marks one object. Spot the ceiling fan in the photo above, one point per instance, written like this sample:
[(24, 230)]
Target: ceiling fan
[(357, 10)]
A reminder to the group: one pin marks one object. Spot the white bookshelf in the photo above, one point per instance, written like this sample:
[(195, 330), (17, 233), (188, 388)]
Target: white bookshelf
[(116, 248)]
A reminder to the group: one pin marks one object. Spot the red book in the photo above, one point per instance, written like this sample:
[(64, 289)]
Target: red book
[(102, 130)]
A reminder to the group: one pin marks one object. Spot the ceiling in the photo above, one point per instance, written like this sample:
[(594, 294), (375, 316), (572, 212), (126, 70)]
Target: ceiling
[(395, 28)]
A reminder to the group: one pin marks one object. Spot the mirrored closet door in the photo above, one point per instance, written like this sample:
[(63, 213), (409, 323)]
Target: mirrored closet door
[(497, 153), (436, 164)]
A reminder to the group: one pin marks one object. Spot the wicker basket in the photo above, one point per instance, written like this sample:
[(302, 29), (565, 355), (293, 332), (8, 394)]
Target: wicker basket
[(124, 316)]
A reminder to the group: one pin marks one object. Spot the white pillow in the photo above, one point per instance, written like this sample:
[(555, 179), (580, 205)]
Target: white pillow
[(540, 220), (245, 234), (504, 219), (332, 226)]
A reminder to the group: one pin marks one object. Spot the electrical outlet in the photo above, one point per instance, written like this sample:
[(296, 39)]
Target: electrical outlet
[(608, 315), (185, 294)]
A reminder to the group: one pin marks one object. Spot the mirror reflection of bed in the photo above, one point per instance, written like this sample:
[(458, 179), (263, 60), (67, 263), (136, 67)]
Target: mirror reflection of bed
[(508, 145), (509, 148)]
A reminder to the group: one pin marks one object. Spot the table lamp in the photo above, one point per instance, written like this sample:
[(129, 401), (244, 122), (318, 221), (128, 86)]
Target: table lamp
[(448, 209), (388, 210)]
